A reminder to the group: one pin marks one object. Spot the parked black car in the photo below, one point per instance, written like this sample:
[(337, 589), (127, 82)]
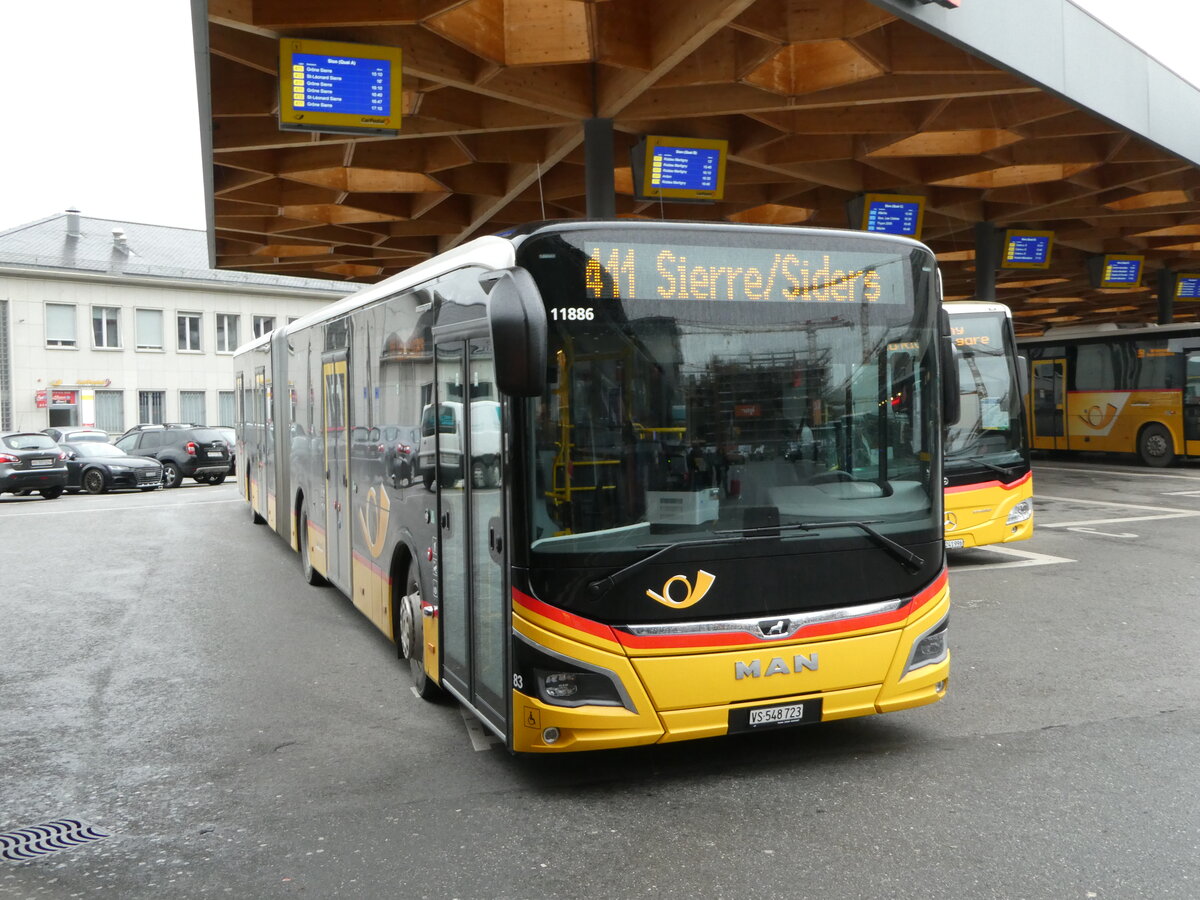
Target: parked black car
[(188, 452), (95, 467), (230, 436), (31, 461), (74, 433)]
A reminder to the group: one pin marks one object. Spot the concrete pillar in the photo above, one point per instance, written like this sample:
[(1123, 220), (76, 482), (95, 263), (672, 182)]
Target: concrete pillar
[(1166, 296), (598, 168), (987, 260)]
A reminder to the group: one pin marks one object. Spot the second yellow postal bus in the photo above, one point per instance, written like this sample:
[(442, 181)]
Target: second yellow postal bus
[(988, 479), (1117, 390), (621, 483)]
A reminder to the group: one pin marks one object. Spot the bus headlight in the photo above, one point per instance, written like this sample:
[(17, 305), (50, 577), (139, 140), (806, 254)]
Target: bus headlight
[(929, 648), (577, 689), (1020, 513)]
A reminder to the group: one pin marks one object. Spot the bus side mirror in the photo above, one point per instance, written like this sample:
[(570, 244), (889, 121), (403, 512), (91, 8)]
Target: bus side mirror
[(1023, 375), (518, 320), (951, 402)]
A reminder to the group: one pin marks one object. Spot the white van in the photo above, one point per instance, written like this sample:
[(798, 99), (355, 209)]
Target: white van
[(485, 443)]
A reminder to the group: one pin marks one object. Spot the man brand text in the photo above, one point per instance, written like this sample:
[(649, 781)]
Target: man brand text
[(777, 666)]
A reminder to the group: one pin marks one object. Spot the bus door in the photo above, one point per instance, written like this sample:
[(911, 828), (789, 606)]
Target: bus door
[(1191, 401), (473, 606), (337, 470), (1049, 404)]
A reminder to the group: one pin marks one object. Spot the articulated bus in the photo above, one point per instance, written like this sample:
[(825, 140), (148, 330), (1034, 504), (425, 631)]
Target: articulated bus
[(1117, 390), (989, 482), (614, 483)]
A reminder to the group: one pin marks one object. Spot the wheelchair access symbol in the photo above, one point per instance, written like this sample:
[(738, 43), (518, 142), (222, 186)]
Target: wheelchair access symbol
[(704, 580)]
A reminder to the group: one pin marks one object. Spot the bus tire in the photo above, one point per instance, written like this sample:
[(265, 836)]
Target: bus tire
[(1155, 446), (311, 575), (410, 633)]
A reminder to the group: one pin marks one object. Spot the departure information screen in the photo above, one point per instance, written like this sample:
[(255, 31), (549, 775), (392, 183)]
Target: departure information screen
[(1119, 270), (886, 214), (1187, 287), (1026, 250), (356, 86), (680, 168), (338, 87), (690, 168)]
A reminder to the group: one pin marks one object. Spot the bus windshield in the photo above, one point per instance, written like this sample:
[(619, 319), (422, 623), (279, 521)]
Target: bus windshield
[(991, 428), (705, 385)]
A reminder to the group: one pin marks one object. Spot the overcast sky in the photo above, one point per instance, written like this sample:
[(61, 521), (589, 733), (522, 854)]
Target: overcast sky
[(100, 102)]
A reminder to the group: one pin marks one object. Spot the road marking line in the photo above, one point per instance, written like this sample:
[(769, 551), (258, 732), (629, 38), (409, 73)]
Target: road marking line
[(1022, 558), (1115, 472), (1163, 512)]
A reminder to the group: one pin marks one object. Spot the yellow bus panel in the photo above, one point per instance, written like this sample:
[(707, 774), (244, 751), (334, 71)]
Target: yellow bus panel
[(978, 514)]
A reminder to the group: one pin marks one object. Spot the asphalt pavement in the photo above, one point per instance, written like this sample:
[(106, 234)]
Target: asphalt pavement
[(168, 681)]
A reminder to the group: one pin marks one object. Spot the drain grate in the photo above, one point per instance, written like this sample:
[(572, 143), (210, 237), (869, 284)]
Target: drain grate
[(50, 837)]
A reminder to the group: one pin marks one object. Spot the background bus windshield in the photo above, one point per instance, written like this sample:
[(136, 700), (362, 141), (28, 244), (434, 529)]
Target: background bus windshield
[(990, 428), (798, 393)]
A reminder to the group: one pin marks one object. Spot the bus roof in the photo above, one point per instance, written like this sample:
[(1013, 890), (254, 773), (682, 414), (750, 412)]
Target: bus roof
[(976, 306)]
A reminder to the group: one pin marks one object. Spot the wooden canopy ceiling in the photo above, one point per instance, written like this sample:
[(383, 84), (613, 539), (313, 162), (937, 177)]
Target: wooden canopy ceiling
[(821, 100)]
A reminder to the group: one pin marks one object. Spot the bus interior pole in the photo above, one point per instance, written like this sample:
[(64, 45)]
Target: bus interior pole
[(598, 168), (986, 261), (1166, 296)]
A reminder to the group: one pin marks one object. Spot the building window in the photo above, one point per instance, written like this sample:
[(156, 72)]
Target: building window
[(191, 407), (188, 325), (148, 323), (227, 333), (106, 331), (60, 325), (263, 324), (226, 407), (152, 406), (110, 411)]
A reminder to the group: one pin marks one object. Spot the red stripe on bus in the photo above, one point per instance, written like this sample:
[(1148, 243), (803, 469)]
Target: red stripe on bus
[(991, 484), (562, 617)]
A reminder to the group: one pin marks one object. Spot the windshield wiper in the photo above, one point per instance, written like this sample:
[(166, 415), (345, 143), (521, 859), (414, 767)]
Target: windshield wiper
[(762, 533), (906, 557)]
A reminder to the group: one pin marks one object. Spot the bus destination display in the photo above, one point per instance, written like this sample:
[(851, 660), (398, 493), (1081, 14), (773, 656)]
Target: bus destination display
[(888, 214), (637, 271), (338, 87), (1187, 287), (676, 168), (1122, 270), (1027, 249)]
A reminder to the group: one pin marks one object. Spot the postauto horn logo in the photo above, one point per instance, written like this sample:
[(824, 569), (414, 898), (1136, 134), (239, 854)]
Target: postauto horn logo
[(694, 594)]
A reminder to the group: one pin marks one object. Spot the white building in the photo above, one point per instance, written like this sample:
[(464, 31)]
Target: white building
[(113, 323)]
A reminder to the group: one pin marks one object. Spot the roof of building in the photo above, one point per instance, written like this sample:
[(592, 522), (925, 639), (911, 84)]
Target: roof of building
[(133, 249)]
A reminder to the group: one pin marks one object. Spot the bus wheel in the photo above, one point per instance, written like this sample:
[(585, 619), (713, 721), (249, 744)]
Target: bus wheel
[(410, 634), (311, 575), (1155, 446)]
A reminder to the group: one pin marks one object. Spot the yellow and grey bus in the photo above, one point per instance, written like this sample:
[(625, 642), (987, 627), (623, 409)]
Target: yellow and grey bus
[(1117, 390), (988, 479), (612, 483)]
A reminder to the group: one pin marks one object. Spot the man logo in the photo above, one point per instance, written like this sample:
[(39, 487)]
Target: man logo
[(777, 666), (704, 581)]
